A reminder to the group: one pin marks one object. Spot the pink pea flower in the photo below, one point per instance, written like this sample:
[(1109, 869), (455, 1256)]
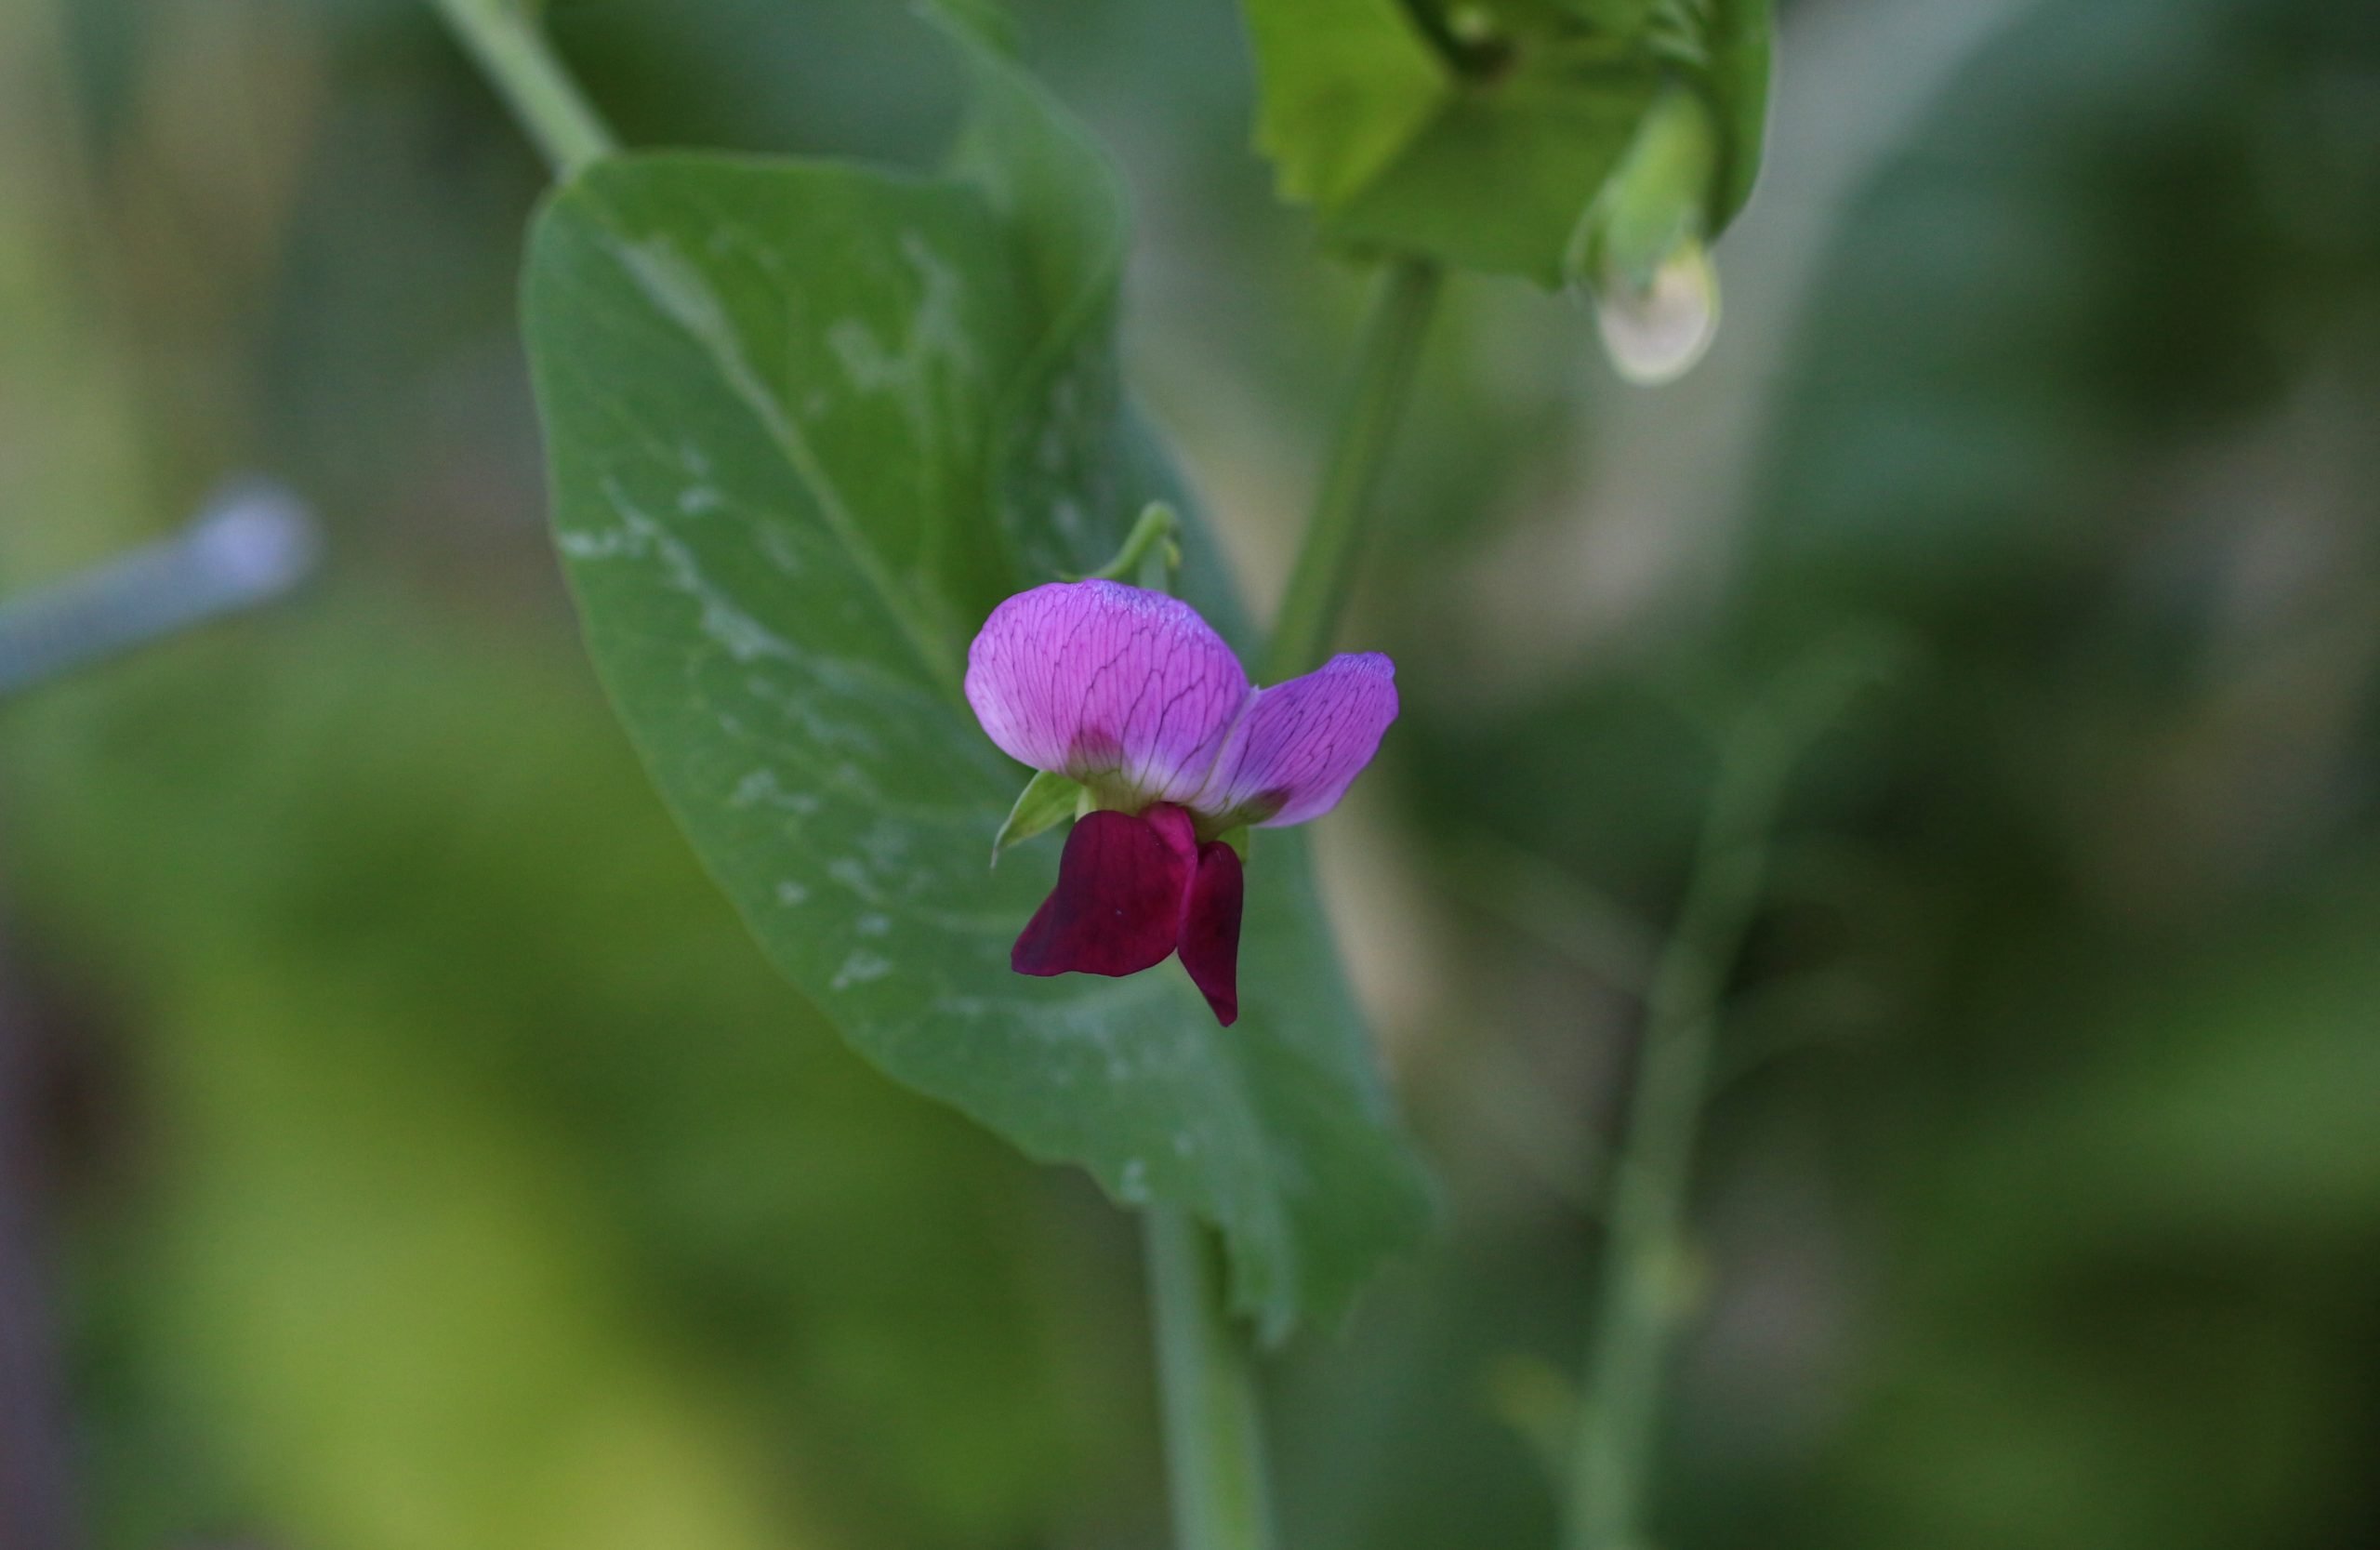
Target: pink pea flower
[(1131, 694)]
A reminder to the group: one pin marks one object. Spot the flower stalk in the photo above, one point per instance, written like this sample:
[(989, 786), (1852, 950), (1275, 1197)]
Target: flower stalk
[(1214, 1443), (513, 53), (1325, 572), (1214, 1440)]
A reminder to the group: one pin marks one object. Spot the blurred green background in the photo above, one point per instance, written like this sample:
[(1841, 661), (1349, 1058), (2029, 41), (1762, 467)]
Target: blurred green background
[(419, 1158)]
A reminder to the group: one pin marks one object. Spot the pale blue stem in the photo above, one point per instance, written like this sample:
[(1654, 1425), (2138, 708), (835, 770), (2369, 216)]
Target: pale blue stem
[(252, 544)]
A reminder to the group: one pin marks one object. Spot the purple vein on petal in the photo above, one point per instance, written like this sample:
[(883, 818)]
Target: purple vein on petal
[(1096, 679)]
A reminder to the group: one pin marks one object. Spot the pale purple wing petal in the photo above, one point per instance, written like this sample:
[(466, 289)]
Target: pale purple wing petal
[(1098, 679), (1301, 743)]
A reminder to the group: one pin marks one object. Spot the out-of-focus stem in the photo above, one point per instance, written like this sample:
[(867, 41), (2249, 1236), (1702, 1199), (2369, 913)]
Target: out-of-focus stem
[(1326, 564), (1636, 1313), (1635, 1319), (1214, 1444), (513, 54), (252, 544)]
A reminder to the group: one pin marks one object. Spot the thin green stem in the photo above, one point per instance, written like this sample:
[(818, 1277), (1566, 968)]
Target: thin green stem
[(1214, 1434), (1149, 555), (503, 35), (1214, 1444), (1636, 1314), (1635, 1319), (1319, 587)]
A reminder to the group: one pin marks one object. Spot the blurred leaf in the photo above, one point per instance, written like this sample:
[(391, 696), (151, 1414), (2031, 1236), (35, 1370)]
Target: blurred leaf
[(388, 992), (1480, 134), (407, 1346), (808, 423), (2124, 1302), (1348, 86)]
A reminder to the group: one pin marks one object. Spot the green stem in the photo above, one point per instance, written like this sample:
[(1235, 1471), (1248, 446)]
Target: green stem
[(1149, 555), (1635, 1319), (503, 35), (1213, 1435), (1636, 1314), (1214, 1445), (1319, 587)]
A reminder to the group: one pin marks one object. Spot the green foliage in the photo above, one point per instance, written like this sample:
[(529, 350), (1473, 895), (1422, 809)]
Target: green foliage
[(407, 1044), (492, 1191), (807, 424), (1481, 133)]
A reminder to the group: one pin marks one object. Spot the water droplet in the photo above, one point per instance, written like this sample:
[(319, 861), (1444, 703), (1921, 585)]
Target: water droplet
[(1655, 333)]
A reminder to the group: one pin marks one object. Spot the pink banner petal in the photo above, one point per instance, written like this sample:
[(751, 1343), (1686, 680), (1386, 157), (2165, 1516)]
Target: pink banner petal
[(1100, 680)]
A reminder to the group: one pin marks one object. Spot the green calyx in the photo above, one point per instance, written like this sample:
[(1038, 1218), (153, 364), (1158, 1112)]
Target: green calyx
[(1047, 800), (1051, 799)]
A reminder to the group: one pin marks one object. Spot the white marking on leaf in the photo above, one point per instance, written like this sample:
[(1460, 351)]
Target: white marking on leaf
[(610, 545), (860, 968), (757, 786), (735, 631)]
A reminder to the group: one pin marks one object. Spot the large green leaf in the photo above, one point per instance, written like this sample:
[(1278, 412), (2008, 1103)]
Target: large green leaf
[(1479, 133), (808, 422)]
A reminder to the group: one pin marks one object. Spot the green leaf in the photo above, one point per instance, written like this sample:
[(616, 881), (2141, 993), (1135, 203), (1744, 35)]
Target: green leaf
[(1047, 800), (1479, 133), (1740, 68), (1348, 86), (807, 423)]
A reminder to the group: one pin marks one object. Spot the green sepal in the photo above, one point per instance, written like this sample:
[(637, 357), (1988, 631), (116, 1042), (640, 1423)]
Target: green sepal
[(1047, 800)]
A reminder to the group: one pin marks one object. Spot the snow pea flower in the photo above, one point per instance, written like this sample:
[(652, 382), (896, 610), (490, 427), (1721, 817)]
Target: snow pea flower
[(1130, 693)]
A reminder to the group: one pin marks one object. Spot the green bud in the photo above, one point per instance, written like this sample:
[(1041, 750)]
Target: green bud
[(1638, 250)]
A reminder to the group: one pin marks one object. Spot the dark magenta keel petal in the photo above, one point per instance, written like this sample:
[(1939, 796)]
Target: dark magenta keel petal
[(1211, 929), (1176, 827), (1118, 904)]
